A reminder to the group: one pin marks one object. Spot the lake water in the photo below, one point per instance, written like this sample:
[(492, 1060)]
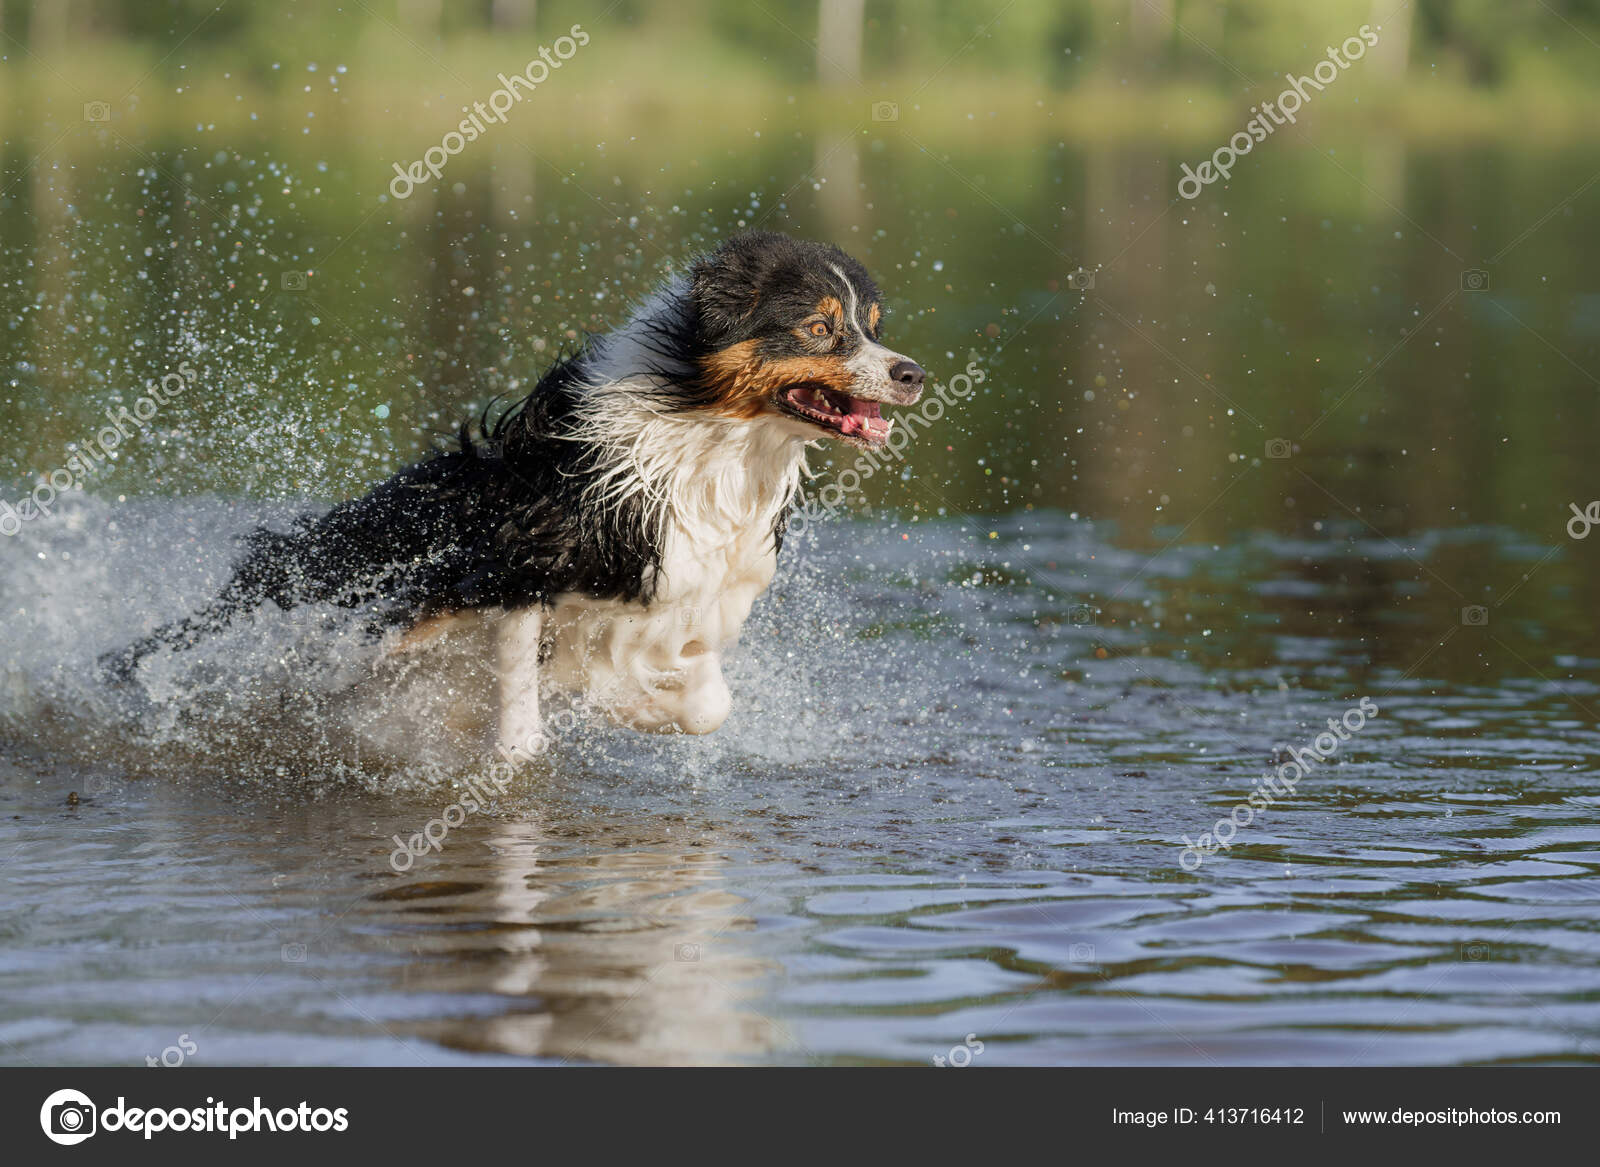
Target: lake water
[(1283, 455)]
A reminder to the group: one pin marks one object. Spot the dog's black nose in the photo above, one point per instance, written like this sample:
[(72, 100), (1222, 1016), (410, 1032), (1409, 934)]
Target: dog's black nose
[(907, 373)]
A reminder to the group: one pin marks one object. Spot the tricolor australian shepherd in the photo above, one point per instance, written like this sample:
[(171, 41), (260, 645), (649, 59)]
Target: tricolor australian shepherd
[(616, 524)]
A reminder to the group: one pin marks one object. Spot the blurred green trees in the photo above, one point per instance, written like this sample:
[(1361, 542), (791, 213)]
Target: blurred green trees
[(1052, 43)]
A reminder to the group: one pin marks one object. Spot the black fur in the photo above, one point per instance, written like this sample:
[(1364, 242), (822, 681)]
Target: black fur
[(757, 284), (496, 521), (499, 520)]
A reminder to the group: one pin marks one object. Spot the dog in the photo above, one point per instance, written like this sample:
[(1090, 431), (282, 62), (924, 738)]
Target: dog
[(615, 525)]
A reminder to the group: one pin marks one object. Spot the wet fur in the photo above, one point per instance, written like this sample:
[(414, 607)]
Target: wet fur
[(660, 439)]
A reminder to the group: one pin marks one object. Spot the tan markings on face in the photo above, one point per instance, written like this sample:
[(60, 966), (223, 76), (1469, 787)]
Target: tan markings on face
[(743, 382), (874, 314), (830, 307)]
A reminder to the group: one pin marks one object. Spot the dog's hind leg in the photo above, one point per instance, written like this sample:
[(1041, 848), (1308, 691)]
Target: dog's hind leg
[(519, 728)]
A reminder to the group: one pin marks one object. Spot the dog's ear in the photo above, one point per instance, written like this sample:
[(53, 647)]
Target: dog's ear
[(725, 294), (721, 304), (726, 285)]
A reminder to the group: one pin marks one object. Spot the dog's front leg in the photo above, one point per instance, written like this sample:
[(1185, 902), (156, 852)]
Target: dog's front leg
[(517, 663), (690, 698)]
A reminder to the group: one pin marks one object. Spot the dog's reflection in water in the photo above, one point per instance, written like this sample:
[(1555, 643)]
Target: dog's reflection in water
[(624, 952)]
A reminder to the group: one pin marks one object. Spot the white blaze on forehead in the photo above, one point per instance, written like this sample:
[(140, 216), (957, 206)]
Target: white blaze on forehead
[(851, 300), (872, 360)]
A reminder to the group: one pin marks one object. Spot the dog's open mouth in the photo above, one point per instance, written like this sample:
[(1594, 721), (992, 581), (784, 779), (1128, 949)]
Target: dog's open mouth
[(850, 417)]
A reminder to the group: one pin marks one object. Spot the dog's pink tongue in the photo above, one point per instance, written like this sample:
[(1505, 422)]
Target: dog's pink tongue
[(864, 418)]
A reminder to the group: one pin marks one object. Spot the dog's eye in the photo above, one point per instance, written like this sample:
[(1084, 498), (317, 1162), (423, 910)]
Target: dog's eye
[(819, 328)]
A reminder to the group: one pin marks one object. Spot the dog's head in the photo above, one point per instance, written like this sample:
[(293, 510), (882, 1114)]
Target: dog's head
[(789, 330)]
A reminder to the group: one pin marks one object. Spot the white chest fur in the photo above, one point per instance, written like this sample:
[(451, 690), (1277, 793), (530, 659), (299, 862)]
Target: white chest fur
[(720, 486)]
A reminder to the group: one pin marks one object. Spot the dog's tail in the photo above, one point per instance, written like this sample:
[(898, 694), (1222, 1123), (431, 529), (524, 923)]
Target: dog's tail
[(403, 546), (272, 568)]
